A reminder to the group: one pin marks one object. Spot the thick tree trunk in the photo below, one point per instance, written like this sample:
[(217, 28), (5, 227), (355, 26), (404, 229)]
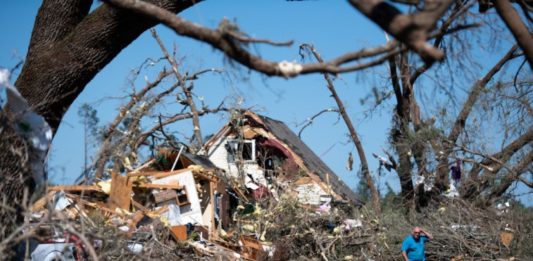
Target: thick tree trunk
[(400, 132), (16, 177), (69, 47)]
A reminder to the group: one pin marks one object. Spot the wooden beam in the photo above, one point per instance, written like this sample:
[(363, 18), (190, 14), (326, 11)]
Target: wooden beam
[(157, 174), (120, 194), (74, 188), (160, 186)]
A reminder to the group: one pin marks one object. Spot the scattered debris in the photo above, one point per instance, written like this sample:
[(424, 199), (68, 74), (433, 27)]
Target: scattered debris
[(255, 192)]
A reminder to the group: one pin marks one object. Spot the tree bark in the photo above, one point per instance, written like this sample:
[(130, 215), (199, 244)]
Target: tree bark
[(69, 47), (517, 27), (400, 133)]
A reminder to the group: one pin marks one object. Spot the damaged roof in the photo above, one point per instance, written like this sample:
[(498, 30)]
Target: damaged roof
[(310, 159), (199, 160)]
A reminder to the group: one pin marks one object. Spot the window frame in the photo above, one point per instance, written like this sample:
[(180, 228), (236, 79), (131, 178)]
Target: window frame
[(234, 143)]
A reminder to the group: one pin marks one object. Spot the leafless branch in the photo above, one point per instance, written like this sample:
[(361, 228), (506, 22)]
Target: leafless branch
[(517, 27), (182, 116), (226, 43), (186, 90), (310, 120), (244, 39), (458, 10), (353, 133), (460, 121), (104, 152), (412, 29)]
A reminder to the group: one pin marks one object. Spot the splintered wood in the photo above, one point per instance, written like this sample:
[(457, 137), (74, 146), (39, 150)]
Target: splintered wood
[(120, 195)]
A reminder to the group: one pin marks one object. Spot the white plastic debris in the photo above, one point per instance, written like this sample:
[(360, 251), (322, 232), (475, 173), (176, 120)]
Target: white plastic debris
[(451, 192), (124, 229), (136, 248), (62, 202), (428, 182), (503, 208), (289, 69), (55, 251), (28, 124), (349, 224)]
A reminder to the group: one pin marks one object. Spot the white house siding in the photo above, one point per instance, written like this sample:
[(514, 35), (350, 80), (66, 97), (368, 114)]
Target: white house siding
[(191, 213), (219, 156), (311, 194)]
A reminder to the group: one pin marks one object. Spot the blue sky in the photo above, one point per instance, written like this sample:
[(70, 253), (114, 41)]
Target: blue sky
[(334, 27)]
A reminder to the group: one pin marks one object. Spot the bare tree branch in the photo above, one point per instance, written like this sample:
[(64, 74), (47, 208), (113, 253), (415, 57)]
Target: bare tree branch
[(353, 133), (460, 121), (457, 11), (412, 29), (517, 27), (526, 182), (186, 90), (105, 148), (492, 165), (182, 116), (225, 42), (510, 178), (310, 120)]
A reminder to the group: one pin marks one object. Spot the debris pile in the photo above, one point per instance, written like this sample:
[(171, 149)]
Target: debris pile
[(192, 206), (254, 192)]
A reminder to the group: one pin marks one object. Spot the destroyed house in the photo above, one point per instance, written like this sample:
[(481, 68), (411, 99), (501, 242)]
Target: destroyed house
[(265, 153)]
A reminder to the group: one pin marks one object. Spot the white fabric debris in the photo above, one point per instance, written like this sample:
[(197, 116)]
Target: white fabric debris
[(503, 208), (289, 69), (469, 228)]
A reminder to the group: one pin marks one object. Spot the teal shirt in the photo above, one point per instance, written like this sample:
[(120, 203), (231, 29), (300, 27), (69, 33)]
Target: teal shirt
[(414, 249)]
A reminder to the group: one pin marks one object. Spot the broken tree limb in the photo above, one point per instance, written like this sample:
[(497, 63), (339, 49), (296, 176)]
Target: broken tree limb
[(353, 133), (460, 121), (411, 29), (519, 30), (223, 41)]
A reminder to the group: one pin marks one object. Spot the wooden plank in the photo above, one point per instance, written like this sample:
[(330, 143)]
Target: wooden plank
[(160, 186), (137, 217), (251, 247), (74, 188), (96, 205), (120, 194), (42, 202), (165, 195), (179, 233), (140, 206), (157, 174)]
